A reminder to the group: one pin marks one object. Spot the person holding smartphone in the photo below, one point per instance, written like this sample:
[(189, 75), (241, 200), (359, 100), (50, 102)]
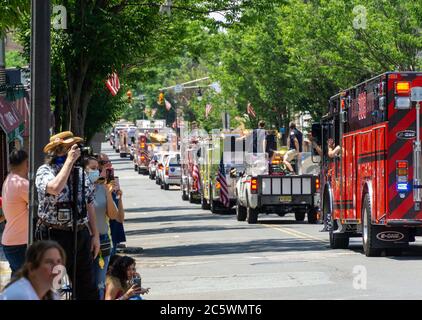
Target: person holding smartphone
[(123, 282), (116, 227)]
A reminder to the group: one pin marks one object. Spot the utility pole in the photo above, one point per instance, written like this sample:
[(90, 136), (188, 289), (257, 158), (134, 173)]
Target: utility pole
[(40, 96), (2, 61)]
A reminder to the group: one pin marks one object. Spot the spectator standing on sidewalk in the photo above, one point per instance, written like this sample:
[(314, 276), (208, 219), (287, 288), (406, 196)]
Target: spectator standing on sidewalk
[(15, 193), (116, 227), (54, 182), (105, 209), (34, 281)]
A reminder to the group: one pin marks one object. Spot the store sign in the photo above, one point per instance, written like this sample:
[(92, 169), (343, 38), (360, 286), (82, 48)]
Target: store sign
[(9, 117)]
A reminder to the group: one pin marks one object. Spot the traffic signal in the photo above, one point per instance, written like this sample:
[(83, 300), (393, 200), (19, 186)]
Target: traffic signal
[(161, 98), (129, 97)]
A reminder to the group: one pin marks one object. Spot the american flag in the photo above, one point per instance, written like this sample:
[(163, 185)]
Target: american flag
[(224, 189), (208, 110), (168, 105), (250, 110), (113, 83), (195, 175)]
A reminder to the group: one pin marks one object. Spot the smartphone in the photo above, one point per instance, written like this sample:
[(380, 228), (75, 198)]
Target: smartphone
[(109, 175), (116, 183), (137, 281)]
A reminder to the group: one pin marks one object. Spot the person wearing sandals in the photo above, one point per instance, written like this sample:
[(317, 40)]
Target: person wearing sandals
[(105, 209)]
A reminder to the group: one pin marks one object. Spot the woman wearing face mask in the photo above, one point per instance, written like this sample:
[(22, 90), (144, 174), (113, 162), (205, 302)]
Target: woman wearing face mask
[(105, 209)]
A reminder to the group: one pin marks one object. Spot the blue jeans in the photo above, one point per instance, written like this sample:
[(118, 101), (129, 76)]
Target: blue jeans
[(15, 255), (100, 274)]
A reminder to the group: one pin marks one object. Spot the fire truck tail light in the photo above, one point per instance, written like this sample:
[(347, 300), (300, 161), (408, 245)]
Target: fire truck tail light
[(403, 88), (317, 184), (254, 185), (218, 185), (402, 176), (142, 158), (402, 172), (402, 164)]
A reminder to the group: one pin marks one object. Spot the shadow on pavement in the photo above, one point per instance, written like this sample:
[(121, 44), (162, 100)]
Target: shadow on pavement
[(414, 252), (281, 222), (190, 217), (154, 209), (182, 229), (208, 249)]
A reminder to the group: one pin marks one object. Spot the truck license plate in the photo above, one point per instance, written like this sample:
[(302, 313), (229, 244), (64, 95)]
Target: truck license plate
[(286, 199)]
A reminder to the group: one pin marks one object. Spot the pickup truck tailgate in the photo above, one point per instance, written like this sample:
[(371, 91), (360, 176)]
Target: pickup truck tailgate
[(287, 185)]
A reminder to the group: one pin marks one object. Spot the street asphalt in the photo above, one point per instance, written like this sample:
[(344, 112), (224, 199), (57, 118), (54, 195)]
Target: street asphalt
[(190, 253)]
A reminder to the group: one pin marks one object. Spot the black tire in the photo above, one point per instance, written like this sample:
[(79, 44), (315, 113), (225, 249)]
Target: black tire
[(240, 212), (312, 216), (136, 167), (184, 195), (251, 215), (337, 240), (191, 198), (139, 171), (161, 186), (204, 203), (213, 205), (299, 216), (368, 230), (166, 186)]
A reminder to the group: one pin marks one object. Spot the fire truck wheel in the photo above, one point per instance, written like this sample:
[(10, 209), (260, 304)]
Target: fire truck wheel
[(184, 195), (139, 171), (161, 186), (251, 215), (136, 167), (213, 205), (240, 212), (368, 232), (312, 216), (338, 240), (166, 186), (300, 216), (191, 198), (204, 204)]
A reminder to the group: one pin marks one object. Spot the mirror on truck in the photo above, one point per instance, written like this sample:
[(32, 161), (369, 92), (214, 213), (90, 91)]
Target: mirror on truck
[(316, 138)]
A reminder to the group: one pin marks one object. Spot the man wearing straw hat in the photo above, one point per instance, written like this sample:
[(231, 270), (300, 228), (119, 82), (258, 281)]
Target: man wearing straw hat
[(55, 186)]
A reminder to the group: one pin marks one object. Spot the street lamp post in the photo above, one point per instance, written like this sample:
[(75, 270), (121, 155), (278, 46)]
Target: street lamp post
[(40, 96)]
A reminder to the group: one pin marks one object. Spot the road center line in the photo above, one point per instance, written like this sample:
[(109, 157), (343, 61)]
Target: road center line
[(297, 234)]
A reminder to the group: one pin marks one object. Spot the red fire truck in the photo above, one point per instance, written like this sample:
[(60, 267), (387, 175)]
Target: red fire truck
[(142, 156), (372, 187)]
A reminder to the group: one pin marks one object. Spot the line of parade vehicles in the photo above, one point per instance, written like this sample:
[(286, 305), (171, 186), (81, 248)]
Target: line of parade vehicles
[(370, 188), (255, 184)]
